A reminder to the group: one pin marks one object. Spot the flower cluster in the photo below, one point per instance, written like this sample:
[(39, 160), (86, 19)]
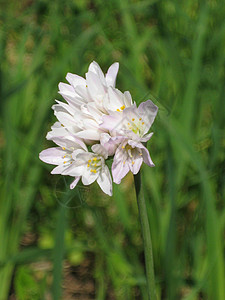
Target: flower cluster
[(98, 122)]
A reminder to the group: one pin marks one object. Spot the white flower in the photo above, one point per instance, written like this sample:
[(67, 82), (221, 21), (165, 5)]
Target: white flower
[(90, 167), (72, 158)]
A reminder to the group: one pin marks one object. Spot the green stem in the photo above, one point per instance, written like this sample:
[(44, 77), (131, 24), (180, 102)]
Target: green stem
[(149, 264)]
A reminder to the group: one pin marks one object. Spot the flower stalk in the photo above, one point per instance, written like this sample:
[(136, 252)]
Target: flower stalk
[(146, 235)]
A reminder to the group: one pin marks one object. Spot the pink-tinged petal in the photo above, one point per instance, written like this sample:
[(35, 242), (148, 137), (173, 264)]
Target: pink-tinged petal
[(61, 106), (71, 143), (56, 132), (74, 183), (99, 149), (75, 80), (67, 120), (65, 88), (128, 99), (95, 86), (112, 122), (74, 170), (88, 134), (105, 181), (82, 91), (146, 137), (120, 167), (112, 74), (147, 158), (135, 165), (59, 169), (89, 177), (95, 68), (53, 156), (148, 111), (110, 143)]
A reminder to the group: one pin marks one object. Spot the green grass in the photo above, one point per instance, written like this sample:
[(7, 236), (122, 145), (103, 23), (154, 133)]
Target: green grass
[(170, 51)]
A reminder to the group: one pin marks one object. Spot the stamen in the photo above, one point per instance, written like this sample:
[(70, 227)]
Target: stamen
[(122, 107), (118, 109), (95, 158), (89, 160), (143, 123), (64, 156), (93, 171), (123, 147), (128, 123), (62, 125), (88, 165), (124, 162), (64, 162), (63, 148), (133, 119), (132, 162), (140, 154), (140, 119)]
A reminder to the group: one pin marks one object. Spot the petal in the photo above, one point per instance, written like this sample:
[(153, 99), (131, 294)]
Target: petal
[(99, 149), (105, 181), (89, 134), (58, 170), (120, 167), (74, 183), (74, 169), (95, 86), (88, 176), (111, 74), (148, 111), (147, 158), (95, 68), (53, 156), (75, 80)]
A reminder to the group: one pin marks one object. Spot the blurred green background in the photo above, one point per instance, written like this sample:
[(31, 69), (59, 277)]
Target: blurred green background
[(56, 244)]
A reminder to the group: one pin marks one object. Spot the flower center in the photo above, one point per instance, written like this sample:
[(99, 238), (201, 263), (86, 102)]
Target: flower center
[(136, 125), (94, 164)]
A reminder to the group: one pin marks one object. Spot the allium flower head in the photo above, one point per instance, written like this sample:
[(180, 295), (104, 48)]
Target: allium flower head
[(98, 114)]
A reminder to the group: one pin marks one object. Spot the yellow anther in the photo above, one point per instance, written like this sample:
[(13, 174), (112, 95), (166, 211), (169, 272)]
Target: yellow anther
[(140, 119), (140, 154), (88, 165), (95, 165), (132, 162), (128, 123), (93, 171), (143, 123), (62, 125), (123, 147), (71, 162), (133, 119), (86, 85), (122, 107), (64, 156), (124, 162), (64, 162), (95, 158), (63, 148), (118, 109), (89, 160)]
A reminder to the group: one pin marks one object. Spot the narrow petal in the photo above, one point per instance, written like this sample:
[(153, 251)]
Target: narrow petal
[(105, 181), (74, 183), (53, 156), (75, 80), (120, 167), (112, 74)]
